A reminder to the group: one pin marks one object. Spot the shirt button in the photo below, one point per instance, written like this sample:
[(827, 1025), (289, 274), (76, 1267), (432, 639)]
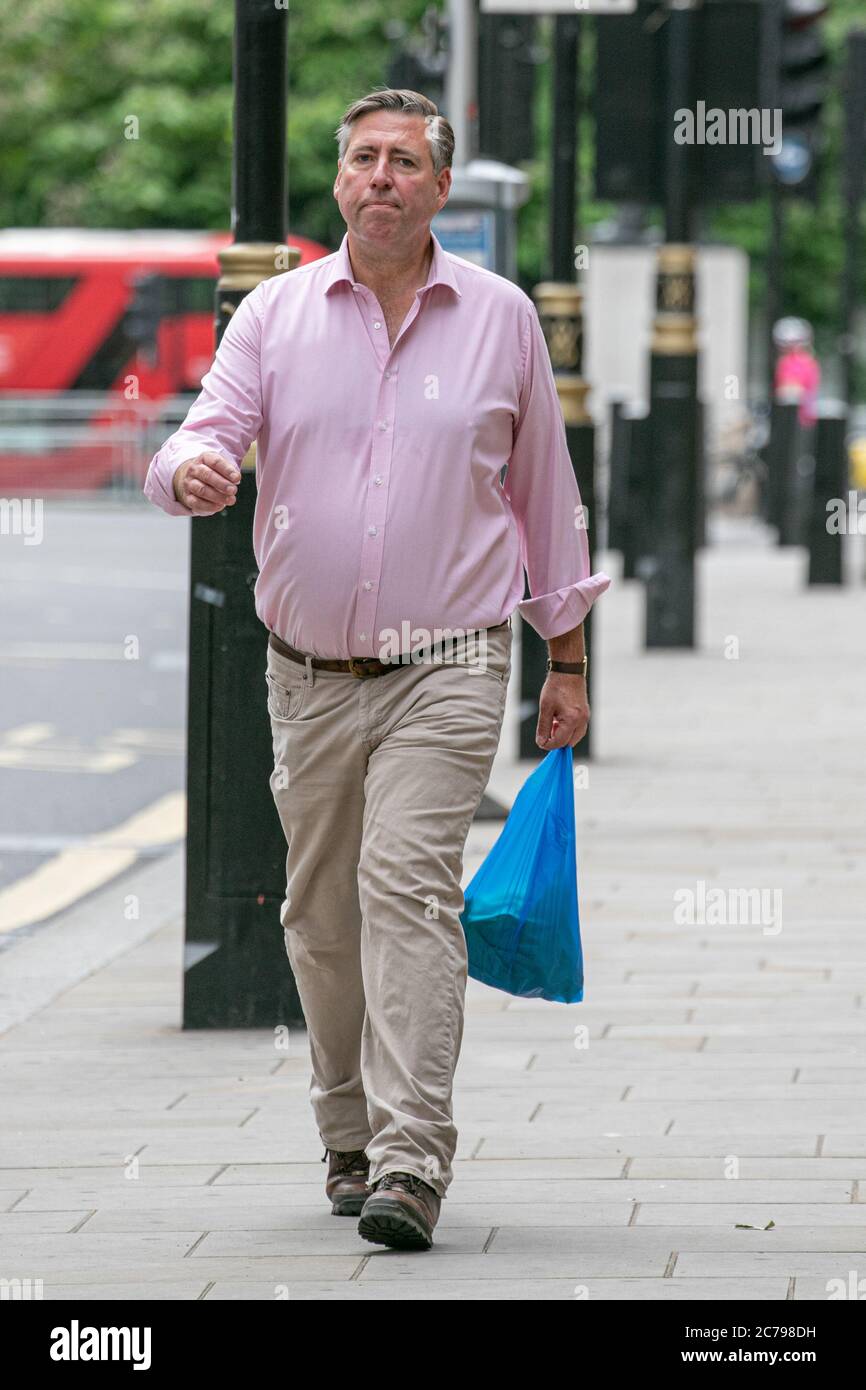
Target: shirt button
[(368, 584), (356, 289), (371, 531), (378, 480), (362, 636), (390, 374), (376, 323), (383, 424)]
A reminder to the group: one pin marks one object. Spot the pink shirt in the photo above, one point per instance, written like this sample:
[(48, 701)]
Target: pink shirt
[(800, 368), (378, 469)]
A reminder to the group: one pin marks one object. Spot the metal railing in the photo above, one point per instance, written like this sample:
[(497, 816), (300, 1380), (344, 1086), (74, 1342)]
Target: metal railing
[(82, 442)]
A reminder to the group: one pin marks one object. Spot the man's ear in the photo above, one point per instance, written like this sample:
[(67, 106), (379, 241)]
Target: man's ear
[(446, 190)]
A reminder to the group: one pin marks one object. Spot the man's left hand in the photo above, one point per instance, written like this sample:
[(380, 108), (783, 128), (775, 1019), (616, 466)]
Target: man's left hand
[(563, 711)]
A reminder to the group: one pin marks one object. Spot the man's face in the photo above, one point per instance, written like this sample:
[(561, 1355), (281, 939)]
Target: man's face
[(385, 186)]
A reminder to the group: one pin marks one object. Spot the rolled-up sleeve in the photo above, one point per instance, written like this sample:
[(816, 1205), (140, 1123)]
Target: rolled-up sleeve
[(226, 416), (545, 500)]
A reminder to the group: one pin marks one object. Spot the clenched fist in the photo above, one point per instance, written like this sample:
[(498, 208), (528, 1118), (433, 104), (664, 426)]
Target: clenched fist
[(207, 484)]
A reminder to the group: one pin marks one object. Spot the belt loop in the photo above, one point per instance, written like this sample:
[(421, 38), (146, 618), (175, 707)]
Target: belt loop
[(309, 665)]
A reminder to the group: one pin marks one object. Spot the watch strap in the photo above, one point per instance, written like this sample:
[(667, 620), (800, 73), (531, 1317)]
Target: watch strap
[(569, 668)]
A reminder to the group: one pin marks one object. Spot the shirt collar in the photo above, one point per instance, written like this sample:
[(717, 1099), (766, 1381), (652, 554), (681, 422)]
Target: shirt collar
[(441, 270)]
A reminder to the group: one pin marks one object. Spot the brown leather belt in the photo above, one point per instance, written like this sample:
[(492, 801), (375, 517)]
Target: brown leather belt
[(360, 666)]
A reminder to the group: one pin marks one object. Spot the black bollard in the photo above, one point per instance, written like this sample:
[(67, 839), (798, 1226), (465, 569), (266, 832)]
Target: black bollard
[(636, 529), (668, 562), (783, 448), (617, 478), (830, 485), (671, 465), (701, 480)]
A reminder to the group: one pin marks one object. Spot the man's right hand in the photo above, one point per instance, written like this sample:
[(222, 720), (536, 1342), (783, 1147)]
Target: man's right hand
[(207, 484)]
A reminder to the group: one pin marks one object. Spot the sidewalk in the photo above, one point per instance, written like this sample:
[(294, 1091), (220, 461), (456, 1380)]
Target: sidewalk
[(708, 1143)]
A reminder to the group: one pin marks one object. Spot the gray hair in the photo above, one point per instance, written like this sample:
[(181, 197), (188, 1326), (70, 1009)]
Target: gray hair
[(439, 131)]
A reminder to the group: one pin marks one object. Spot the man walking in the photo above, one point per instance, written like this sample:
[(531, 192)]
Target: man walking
[(388, 386)]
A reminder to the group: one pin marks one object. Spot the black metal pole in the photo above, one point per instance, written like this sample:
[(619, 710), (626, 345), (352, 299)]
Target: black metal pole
[(236, 973), (774, 273), (669, 571), (564, 212), (680, 62), (773, 97), (854, 176)]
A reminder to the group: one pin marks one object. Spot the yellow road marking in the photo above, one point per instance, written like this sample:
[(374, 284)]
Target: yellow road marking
[(27, 734), (69, 875), (37, 748)]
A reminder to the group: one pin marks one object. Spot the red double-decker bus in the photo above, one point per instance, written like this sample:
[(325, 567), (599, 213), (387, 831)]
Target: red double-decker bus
[(66, 335)]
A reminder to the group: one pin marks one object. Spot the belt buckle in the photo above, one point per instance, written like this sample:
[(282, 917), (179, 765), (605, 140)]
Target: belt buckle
[(362, 673)]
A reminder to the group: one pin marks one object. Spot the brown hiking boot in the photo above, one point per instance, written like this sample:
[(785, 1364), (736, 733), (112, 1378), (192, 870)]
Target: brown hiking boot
[(346, 1183), (401, 1211)]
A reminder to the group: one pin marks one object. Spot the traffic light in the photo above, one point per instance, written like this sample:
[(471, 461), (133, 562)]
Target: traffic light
[(802, 90), (508, 57), (627, 107), (854, 102), (144, 314), (632, 122)]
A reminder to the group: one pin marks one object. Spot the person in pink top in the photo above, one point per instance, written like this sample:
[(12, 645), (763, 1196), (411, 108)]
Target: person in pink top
[(797, 368), (388, 385)]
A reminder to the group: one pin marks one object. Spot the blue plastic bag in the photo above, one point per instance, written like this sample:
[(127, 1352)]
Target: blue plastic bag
[(520, 914)]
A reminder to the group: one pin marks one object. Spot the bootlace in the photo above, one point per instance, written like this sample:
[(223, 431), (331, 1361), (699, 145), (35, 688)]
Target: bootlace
[(409, 1180), (351, 1161)]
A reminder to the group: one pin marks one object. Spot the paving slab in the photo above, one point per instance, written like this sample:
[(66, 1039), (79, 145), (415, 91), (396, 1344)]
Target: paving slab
[(695, 1129)]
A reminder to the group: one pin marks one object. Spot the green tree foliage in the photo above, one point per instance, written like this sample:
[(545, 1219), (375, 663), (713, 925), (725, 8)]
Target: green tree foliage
[(116, 113), (77, 78)]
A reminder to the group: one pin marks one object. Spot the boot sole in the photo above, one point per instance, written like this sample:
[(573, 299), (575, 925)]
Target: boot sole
[(348, 1206), (389, 1223)]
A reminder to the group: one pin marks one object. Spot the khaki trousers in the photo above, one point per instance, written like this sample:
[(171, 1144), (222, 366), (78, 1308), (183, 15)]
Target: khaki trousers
[(376, 782)]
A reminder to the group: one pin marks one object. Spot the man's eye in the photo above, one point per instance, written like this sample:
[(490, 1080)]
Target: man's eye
[(403, 159)]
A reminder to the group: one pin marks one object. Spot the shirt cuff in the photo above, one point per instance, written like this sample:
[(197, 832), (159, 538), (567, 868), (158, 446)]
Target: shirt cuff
[(554, 614), (159, 482)]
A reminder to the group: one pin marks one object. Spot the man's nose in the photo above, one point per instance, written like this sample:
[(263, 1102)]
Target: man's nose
[(381, 173)]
